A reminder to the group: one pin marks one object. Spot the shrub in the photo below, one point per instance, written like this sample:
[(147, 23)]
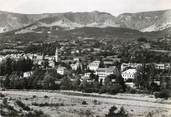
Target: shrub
[(2, 95), (84, 103), (5, 101), (96, 102), (122, 112), (114, 89), (88, 113), (150, 114), (46, 96), (36, 113), (113, 113), (162, 94), (34, 96), (22, 105), (131, 90)]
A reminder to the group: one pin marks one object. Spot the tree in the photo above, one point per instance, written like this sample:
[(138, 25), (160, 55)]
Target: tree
[(113, 112), (101, 65), (48, 81), (76, 84), (145, 76), (7, 82), (142, 39), (66, 83)]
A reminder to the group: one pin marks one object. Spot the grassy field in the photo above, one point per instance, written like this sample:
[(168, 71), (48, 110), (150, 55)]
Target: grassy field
[(77, 104)]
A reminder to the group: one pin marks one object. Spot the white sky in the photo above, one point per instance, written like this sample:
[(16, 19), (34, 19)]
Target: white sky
[(114, 7)]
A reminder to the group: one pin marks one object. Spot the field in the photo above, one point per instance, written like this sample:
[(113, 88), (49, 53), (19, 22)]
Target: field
[(77, 104)]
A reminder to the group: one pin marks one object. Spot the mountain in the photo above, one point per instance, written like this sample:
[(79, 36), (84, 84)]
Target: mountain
[(144, 21), (10, 21), (70, 20)]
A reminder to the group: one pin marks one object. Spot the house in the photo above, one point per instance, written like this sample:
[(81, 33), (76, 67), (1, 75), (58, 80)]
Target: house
[(104, 72), (129, 74), (51, 63), (108, 63), (94, 65), (27, 74), (130, 65), (61, 70), (86, 75), (163, 66), (76, 65)]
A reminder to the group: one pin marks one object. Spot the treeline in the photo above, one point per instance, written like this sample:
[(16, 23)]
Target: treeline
[(45, 48), (139, 53), (49, 79), (10, 65)]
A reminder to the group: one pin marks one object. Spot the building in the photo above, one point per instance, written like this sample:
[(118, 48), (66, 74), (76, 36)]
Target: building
[(129, 74), (104, 72), (76, 65), (56, 55), (163, 66), (27, 74), (61, 70), (94, 65), (130, 65), (51, 63)]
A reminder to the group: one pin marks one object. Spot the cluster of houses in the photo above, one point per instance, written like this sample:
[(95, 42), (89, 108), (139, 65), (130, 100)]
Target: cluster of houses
[(126, 70)]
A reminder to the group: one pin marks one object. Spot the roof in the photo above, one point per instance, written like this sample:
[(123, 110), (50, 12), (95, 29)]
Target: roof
[(130, 71)]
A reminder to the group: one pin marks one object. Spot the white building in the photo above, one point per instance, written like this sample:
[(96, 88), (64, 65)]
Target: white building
[(61, 70), (163, 66), (76, 65), (94, 65), (27, 74), (56, 55), (131, 65), (129, 74), (51, 63)]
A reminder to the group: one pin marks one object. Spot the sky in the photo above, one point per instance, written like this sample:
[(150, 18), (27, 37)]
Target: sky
[(114, 7)]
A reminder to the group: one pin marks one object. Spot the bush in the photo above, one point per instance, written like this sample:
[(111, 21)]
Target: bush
[(96, 102), (22, 105), (84, 103), (131, 90), (46, 96), (36, 114), (2, 95), (113, 113), (5, 101), (114, 89), (162, 94), (34, 96)]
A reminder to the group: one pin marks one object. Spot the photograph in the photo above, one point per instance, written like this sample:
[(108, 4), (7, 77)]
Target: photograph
[(85, 58)]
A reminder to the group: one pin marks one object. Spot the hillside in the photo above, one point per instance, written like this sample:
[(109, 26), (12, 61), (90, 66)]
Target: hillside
[(144, 21)]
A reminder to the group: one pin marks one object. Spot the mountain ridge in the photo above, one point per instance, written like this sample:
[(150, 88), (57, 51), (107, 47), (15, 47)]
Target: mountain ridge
[(142, 21)]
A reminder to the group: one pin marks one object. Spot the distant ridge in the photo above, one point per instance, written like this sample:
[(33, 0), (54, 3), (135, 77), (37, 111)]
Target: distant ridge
[(142, 21)]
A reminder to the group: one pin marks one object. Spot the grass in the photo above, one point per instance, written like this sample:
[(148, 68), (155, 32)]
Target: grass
[(58, 104)]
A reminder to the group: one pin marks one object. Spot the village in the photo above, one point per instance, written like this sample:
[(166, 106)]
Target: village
[(85, 81), (88, 63)]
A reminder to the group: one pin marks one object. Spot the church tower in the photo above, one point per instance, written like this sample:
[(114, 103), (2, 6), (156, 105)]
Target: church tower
[(56, 55)]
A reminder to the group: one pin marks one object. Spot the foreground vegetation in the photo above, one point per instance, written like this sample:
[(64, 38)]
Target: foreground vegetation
[(77, 104)]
